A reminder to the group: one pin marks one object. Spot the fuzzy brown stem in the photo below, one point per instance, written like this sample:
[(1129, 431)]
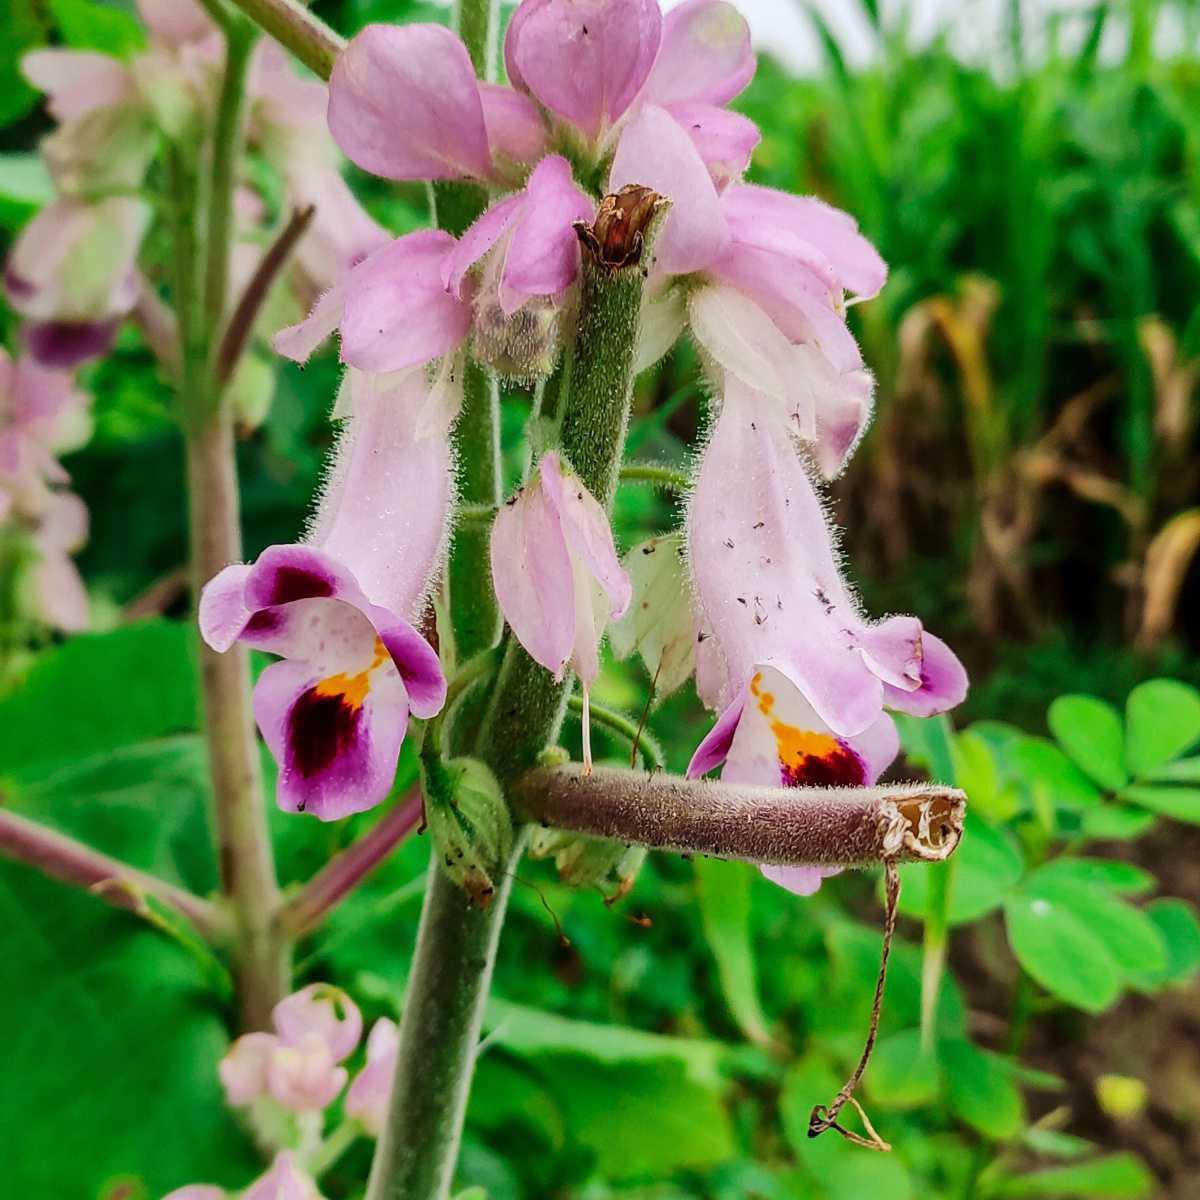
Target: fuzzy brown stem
[(828, 827), (63, 858)]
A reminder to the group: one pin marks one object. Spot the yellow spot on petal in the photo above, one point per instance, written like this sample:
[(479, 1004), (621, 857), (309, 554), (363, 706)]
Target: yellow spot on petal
[(353, 689)]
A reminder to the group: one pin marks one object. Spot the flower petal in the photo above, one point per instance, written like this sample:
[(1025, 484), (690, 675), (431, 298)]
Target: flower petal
[(487, 230), (78, 81), (585, 60), (322, 1009), (943, 683), (298, 341), (222, 611), (587, 531), (789, 222), (706, 55), (532, 575), (336, 744), (397, 311), (656, 153), (515, 128), (543, 253), (404, 104), (724, 140)]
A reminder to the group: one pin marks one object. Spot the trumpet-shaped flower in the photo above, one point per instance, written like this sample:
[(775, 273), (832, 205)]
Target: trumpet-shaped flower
[(557, 576), (770, 588), (371, 1089), (337, 609), (72, 276)]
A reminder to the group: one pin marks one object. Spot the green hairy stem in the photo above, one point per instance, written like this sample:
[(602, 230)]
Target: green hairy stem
[(296, 29)]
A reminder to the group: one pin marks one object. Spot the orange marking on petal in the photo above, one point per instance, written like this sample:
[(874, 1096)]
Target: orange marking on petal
[(352, 689)]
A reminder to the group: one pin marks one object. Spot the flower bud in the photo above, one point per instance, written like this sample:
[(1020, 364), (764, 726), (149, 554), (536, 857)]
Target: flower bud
[(586, 862), (470, 824)]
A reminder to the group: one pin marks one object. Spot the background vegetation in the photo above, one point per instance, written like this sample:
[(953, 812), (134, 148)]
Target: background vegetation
[(1031, 487)]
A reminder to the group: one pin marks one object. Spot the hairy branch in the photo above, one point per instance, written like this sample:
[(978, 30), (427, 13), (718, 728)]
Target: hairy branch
[(69, 861), (827, 827), (296, 29), (329, 886), (241, 323)]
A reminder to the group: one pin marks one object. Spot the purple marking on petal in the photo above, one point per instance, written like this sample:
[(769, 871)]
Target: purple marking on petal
[(295, 583), (68, 344), (17, 286), (265, 621), (321, 726)]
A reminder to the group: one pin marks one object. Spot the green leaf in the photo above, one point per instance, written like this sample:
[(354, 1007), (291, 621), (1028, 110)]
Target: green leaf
[(24, 28), (1118, 822), (981, 1089), (1091, 733), (531, 1032), (116, 1051), (929, 743), (1182, 770), (86, 25), (1116, 1177), (1117, 876), (641, 1119), (1126, 932), (987, 867), (1162, 719), (1177, 922), (723, 892), (1178, 803), (1039, 764), (902, 1075), (97, 692), (1061, 953)]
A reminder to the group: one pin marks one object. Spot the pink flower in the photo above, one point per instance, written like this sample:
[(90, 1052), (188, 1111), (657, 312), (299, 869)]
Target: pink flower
[(283, 1181), (59, 597), (320, 1010), (557, 576), (775, 271), (584, 60), (72, 276), (197, 1191), (297, 1065), (803, 678), (404, 103), (370, 1092), (538, 248), (337, 610)]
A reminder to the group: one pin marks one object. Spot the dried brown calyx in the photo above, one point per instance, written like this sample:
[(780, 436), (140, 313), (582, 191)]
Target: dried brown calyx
[(925, 828), (618, 235)]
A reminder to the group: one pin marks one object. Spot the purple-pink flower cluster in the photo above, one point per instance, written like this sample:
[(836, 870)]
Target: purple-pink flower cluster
[(284, 1083), (602, 94), (42, 415)]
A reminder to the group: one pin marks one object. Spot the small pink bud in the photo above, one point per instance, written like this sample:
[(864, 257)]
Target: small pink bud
[(324, 1010)]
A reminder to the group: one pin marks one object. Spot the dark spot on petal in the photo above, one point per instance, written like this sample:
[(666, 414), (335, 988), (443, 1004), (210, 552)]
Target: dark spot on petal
[(294, 583), (841, 767), (320, 728), (759, 525), (264, 621)]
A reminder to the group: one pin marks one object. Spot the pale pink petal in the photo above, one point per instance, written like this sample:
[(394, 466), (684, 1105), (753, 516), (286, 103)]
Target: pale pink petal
[(515, 128), (706, 55), (397, 312), (792, 222), (342, 233), (385, 511), (490, 227), (943, 682), (197, 1191), (370, 1091), (532, 575), (543, 252), (61, 595), (585, 60), (745, 342), (222, 611), (724, 140), (78, 81), (243, 1070), (176, 21), (404, 104), (298, 342), (800, 881), (322, 1009), (587, 532), (283, 1181), (655, 152)]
